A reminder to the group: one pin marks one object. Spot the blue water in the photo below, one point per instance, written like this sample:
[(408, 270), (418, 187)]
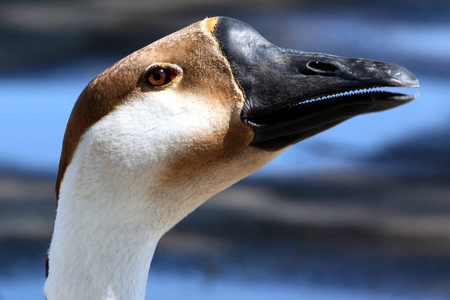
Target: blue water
[(28, 286)]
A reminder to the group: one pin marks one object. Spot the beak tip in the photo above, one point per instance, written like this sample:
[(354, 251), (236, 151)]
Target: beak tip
[(405, 78)]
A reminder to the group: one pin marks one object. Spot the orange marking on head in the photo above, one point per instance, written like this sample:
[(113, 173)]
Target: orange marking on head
[(211, 23)]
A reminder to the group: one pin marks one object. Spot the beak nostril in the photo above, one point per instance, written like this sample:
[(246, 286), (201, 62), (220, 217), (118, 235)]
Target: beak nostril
[(321, 68)]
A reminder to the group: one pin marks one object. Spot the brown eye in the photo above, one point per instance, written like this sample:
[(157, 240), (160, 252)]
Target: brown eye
[(160, 76)]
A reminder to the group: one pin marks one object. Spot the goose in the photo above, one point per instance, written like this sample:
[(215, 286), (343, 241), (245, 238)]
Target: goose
[(161, 131)]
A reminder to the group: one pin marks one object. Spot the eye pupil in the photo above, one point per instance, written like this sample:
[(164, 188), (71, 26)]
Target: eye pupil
[(159, 77)]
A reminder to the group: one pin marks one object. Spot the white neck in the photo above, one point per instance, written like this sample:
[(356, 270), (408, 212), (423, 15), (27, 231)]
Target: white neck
[(107, 265), (109, 219), (99, 253)]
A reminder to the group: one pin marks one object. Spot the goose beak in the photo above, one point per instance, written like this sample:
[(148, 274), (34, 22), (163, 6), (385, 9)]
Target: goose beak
[(292, 95)]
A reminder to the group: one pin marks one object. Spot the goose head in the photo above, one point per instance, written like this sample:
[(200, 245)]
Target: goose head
[(217, 100), (165, 128)]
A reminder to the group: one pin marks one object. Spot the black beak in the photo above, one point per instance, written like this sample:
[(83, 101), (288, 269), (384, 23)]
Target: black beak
[(292, 95)]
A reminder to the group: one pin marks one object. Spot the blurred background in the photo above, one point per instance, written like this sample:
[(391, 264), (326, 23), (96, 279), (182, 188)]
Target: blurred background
[(361, 211)]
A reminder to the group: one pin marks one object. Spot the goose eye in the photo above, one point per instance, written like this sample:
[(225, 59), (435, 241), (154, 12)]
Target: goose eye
[(159, 76)]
